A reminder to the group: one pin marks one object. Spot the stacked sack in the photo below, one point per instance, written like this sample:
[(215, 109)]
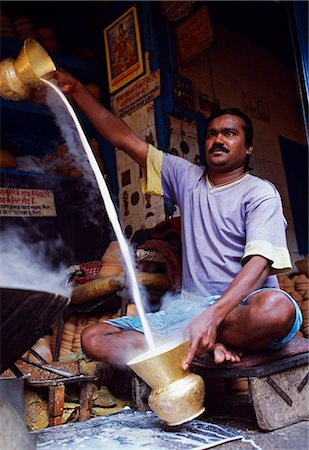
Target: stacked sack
[(67, 337), (81, 323), (73, 328), (22, 28), (25, 29), (7, 29), (42, 347), (298, 287)]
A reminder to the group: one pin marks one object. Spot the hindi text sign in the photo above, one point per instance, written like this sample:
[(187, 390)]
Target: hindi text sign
[(194, 34), (18, 202), (137, 94)]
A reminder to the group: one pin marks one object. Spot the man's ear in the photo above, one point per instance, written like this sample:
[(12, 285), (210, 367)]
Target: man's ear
[(249, 150)]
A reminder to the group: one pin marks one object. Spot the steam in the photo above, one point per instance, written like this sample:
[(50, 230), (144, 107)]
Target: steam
[(112, 215), (24, 264), (69, 133), (91, 200)]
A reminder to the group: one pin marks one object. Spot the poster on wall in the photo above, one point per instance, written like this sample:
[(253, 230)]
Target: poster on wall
[(256, 107), (17, 202), (194, 34), (123, 50)]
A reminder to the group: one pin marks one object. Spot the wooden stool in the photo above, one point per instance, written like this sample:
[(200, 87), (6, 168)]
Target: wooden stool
[(56, 390), (56, 387), (278, 381)]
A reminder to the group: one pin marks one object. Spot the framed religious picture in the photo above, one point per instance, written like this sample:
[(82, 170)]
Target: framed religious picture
[(123, 50)]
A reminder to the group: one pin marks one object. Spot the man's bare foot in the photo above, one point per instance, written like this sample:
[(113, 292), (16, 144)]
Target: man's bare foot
[(222, 353)]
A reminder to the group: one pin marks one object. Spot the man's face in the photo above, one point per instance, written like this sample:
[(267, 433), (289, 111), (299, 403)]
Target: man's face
[(225, 146)]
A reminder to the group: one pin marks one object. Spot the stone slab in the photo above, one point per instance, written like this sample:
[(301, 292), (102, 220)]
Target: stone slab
[(281, 399)]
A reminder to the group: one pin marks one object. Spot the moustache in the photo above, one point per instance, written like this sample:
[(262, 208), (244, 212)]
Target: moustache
[(217, 147)]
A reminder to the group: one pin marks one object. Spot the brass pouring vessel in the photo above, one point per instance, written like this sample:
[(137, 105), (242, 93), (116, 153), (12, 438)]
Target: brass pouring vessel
[(18, 76), (177, 396)]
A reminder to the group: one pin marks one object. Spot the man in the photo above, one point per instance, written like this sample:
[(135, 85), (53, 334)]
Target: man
[(233, 238)]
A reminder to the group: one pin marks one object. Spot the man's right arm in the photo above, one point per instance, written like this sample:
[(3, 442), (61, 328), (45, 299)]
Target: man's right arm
[(112, 128)]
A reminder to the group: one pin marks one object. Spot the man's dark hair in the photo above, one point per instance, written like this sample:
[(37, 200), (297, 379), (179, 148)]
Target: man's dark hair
[(248, 127)]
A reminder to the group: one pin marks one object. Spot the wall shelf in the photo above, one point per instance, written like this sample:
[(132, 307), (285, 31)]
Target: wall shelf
[(30, 128), (23, 173), (84, 70)]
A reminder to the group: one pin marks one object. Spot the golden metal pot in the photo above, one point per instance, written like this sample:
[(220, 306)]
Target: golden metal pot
[(17, 77), (177, 396), (11, 87)]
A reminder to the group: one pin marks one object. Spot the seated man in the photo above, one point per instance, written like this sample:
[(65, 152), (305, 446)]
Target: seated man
[(233, 244)]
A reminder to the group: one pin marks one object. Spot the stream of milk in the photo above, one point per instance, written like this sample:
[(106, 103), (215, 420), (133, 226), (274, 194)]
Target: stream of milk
[(112, 215)]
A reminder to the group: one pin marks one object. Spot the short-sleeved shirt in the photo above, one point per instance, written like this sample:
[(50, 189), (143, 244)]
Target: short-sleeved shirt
[(222, 225)]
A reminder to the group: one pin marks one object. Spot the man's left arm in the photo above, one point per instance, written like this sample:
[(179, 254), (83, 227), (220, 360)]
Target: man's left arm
[(202, 331)]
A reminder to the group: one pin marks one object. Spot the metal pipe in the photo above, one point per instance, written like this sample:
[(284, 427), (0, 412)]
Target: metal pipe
[(63, 373)]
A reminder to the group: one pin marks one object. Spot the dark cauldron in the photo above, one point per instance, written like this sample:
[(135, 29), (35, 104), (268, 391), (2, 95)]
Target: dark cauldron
[(25, 316)]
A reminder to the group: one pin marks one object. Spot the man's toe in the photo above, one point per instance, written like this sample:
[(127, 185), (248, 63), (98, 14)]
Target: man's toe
[(219, 356)]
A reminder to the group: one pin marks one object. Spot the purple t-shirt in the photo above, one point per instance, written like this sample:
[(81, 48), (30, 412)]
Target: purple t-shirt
[(223, 226)]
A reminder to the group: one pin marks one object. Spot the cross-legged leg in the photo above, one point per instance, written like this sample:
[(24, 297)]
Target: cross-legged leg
[(267, 315), (105, 342)]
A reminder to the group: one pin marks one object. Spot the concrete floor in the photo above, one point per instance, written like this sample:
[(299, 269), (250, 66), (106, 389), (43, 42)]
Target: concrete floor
[(237, 414), (232, 411)]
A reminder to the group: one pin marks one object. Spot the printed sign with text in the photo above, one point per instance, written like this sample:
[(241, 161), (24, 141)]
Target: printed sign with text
[(17, 202)]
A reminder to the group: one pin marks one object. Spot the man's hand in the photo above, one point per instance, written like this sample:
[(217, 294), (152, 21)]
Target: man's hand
[(202, 332), (65, 81)]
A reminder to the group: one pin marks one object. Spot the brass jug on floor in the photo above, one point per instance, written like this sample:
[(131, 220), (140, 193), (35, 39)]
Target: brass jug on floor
[(177, 396), (18, 76)]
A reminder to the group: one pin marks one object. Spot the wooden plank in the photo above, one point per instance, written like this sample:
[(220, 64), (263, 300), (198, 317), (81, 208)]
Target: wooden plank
[(55, 404), (39, 374), (57, 381), (254, 358), (257, 371), (85, 400)]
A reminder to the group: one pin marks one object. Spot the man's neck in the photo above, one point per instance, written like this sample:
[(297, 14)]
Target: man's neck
[(223, 178)]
